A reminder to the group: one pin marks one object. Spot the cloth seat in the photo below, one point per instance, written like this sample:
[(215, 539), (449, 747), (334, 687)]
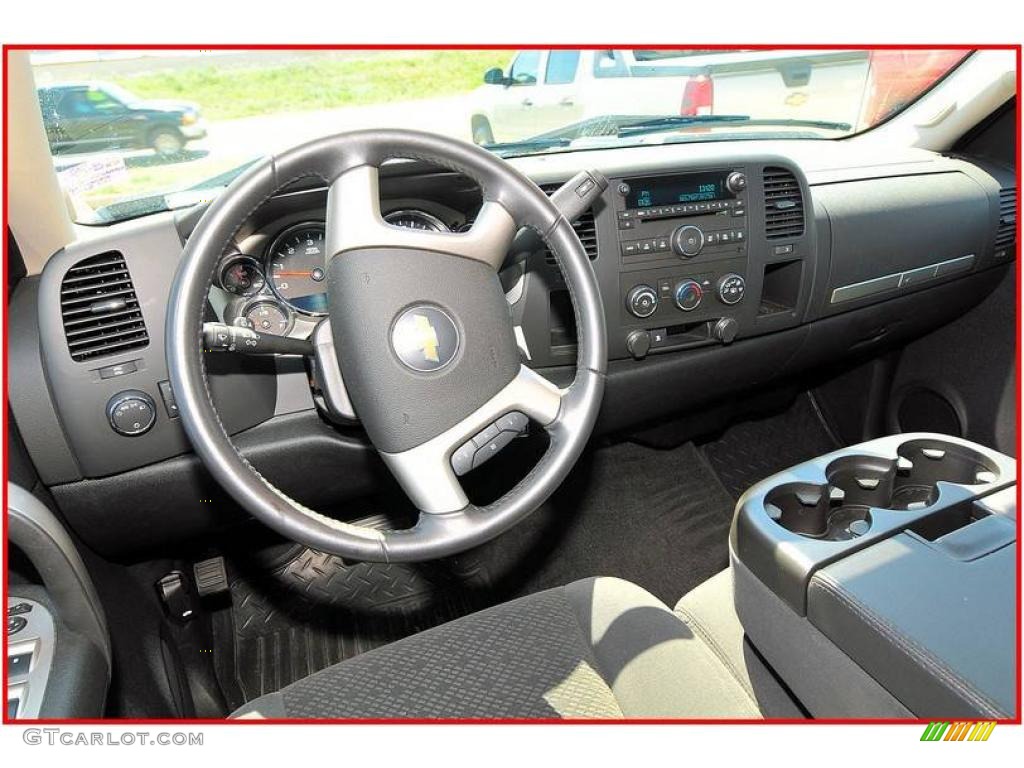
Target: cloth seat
[(596, 648)]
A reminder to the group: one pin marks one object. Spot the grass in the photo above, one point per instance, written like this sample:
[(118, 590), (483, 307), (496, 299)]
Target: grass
[(315, 83)]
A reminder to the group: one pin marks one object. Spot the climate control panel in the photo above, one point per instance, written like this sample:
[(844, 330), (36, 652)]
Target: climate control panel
[(662, 296)]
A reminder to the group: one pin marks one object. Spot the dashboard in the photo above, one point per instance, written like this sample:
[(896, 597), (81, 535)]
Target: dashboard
[(723, 267)]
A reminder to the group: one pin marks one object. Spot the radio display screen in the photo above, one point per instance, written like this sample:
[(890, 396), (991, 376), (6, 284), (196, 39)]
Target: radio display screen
[(671, 190)]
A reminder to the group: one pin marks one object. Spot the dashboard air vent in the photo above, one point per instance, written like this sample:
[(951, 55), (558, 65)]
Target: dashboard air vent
[(584, 226), (1007, 230), (100, 309), (784, 205)]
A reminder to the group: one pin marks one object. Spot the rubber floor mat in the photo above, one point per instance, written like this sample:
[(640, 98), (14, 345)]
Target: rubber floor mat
[(658, 518), (750, 451), (316, 610)]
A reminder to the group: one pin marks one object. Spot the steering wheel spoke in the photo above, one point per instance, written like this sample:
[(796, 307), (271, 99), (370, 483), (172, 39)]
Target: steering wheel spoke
[(354, 222), (429, 472)]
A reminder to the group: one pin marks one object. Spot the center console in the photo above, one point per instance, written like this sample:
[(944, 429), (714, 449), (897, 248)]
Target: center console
[(879, 580)]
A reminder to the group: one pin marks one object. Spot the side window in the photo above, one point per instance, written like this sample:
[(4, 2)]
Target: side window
[(525, 68), (86, 102), (72, 103), (561, 68), (609, 63)]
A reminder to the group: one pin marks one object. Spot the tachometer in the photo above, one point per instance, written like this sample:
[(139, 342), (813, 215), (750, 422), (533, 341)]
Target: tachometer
[(297, 267)]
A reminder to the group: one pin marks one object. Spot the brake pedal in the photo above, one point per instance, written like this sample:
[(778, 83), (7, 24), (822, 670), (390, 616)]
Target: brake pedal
[(211, 576)]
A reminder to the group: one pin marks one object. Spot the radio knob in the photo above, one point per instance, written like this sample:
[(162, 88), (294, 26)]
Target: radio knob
[(688, 295), (642, 300), (131, 412), (731, 288), (736, 182), (688, 241)]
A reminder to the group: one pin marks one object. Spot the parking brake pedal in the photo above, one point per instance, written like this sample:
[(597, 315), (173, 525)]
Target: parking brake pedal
[(177, 598)]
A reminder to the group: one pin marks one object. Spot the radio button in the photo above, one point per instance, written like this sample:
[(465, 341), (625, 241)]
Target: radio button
[(626, 224), (632, 248)]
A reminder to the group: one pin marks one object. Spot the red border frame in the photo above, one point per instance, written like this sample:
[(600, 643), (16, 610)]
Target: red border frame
[(503, 46)]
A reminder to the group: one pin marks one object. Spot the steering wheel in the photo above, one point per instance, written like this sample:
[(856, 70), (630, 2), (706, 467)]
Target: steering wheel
[(423, 335)]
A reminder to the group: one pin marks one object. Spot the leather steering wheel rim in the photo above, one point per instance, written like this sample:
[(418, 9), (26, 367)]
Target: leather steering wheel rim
[(418, 449)]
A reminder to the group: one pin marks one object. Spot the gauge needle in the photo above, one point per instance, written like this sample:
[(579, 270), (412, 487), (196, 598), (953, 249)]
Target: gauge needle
[(292, 274)]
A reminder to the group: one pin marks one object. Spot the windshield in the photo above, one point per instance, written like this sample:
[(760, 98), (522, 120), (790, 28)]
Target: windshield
[(134, 132)]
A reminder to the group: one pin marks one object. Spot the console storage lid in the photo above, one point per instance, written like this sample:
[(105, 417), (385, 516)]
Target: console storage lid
[(937, 631)]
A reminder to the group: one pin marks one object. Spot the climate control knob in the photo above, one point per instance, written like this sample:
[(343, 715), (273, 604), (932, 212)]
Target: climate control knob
[(688, 295), (731, 288), (642, 300), (688, 241)]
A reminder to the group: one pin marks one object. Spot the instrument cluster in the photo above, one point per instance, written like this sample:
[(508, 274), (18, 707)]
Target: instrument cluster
[(281, 287)]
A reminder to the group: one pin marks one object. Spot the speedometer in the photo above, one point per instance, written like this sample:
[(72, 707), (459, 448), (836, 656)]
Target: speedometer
[(297, 268), (413, 218)]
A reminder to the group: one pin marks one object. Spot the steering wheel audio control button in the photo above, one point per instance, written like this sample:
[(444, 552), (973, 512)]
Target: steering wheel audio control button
[(488, 441), (15, 624), (462, 458)]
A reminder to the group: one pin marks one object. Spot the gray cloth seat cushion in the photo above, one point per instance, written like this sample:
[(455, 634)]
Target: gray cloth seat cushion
[(597, 648)]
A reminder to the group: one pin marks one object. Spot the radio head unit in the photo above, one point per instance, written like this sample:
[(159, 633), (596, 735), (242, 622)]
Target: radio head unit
[(657, 191)]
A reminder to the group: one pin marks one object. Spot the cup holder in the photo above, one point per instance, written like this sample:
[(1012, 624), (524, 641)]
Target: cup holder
[(838, 509), (934, 460), (817, 512)]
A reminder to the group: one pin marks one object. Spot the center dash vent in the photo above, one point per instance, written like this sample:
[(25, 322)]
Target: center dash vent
[(783, 203), (1006, 233), (100, 309), (584, 226)]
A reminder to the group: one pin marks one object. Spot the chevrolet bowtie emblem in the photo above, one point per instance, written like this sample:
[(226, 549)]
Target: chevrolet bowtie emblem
[(425, 338)]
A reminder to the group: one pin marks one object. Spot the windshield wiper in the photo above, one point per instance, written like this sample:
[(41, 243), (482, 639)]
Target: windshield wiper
[(672, 122), (507, 149)]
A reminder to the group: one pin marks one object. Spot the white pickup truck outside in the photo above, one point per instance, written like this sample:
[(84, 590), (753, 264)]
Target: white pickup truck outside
[(544, 90)]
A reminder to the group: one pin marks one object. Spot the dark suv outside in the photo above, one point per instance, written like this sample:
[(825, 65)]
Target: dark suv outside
[(87, 117)]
